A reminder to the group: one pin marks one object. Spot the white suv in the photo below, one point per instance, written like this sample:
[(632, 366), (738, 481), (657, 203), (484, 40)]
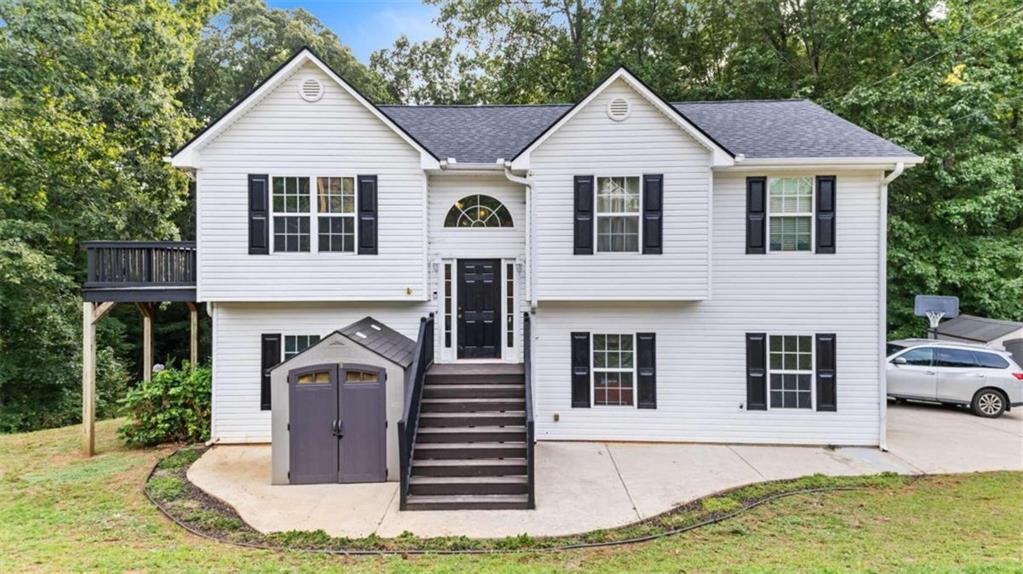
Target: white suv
[(986, 380)]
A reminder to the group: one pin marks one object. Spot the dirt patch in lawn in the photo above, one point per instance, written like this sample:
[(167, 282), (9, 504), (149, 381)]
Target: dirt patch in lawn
[(192, 508)]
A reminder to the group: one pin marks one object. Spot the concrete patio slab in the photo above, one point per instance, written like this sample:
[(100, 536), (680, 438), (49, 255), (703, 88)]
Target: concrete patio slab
[(588, 486), (938, 439), (662, 476)]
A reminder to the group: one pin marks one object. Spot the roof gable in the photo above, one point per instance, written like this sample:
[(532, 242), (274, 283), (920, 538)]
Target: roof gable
[(188, 155), (720, 156)]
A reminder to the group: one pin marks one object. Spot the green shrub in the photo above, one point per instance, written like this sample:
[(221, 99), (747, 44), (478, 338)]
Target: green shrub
[(173, 407)]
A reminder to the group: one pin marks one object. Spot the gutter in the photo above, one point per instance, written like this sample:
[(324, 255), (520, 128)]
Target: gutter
[(524, 181), (882, 292)]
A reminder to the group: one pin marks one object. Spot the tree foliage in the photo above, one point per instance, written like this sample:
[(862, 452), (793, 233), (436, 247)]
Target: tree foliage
[(243, 44), (942, 78), (94, 94)]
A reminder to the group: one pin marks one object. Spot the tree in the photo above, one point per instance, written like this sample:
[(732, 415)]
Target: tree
[(243, 44), (88, 111)]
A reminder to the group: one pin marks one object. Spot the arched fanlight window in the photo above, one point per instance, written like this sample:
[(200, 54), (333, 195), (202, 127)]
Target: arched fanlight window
[(478, 211)]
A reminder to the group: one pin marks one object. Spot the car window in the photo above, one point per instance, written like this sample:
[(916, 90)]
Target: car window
[(919, 357), (955, 358), (894, 348), (990, 360)]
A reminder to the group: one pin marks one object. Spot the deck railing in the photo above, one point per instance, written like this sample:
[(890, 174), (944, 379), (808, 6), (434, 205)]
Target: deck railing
[(139, 264), (421, 361), (527, 360)]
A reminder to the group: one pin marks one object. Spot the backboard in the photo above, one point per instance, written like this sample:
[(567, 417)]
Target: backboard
[(936, 308)]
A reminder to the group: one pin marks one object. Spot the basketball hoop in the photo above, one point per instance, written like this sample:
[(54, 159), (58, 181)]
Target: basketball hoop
[(936, 308)]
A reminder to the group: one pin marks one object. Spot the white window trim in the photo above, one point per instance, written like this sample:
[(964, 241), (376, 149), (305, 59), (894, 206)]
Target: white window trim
[(450, 354), (597, 215), (313, 215), (457, 229), (633, 370), (812, 372), (812, 214), (284, 343)]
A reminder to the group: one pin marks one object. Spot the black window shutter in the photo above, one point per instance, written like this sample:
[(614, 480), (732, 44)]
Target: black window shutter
[(756, 371), (827, 396), (259, 214), (646, 370), (270, 357), (653, 198), (367, 215), (580, 370), (756, 215), (825, 214), (583, 215)]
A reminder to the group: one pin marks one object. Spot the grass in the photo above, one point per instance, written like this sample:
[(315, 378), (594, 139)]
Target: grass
[(62, 512)]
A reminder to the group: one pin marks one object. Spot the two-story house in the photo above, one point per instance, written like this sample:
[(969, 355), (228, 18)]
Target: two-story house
[(675, 271)]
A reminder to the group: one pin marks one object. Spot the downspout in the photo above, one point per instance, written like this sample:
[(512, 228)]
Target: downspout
[(882, 280), (529, 229)]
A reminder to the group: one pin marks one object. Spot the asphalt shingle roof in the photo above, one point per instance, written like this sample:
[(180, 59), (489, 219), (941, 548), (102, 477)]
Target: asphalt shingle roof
[(756, 129), (382, 340), (979, 329), (475, 134)]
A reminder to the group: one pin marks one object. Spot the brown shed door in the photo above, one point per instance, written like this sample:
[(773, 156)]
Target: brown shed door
[(363, 426), (313, 404)]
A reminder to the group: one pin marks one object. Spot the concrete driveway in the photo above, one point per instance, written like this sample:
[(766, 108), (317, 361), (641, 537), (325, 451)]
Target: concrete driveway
[(588, 486)]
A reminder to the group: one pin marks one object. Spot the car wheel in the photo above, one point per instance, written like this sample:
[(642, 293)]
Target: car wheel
[(988, 403)]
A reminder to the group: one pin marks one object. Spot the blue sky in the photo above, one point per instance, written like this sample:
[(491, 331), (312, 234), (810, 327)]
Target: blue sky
[(368, 25)]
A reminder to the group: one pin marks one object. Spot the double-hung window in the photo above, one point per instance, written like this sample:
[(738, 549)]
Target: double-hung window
[(790, 370), (294, 216), (790, 213), (291, 214), (335, 208), (618, 204), (614, 369)]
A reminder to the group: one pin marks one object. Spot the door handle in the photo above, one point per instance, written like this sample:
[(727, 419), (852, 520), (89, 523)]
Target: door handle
[(930, 372), (333, 427), (339, 429)]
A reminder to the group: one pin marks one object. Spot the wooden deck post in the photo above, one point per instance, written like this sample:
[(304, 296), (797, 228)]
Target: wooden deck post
[(91, 314), (193, 314), (147, 340)]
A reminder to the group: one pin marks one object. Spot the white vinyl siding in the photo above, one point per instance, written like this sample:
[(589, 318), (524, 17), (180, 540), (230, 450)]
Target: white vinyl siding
[(701, 346), (237, 328), (285, 136), (646, 143)]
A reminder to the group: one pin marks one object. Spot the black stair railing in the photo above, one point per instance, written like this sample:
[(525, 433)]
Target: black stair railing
[(527, 347), (139, 264), (409, 423)]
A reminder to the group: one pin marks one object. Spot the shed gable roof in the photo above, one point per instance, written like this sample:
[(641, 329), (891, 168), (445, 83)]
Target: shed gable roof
[(975, 328), (373, 336)]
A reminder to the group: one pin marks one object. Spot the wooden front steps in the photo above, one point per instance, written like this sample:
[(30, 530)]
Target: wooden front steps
[(470, 451)]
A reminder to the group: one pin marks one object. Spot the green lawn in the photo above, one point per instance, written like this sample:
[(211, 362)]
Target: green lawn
[(62, 512)]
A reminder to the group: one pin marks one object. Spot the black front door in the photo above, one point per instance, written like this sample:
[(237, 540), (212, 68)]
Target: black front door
[(479, 308)]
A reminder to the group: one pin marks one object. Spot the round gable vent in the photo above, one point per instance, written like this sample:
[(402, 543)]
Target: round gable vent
[(310, 89), (618, 109)]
